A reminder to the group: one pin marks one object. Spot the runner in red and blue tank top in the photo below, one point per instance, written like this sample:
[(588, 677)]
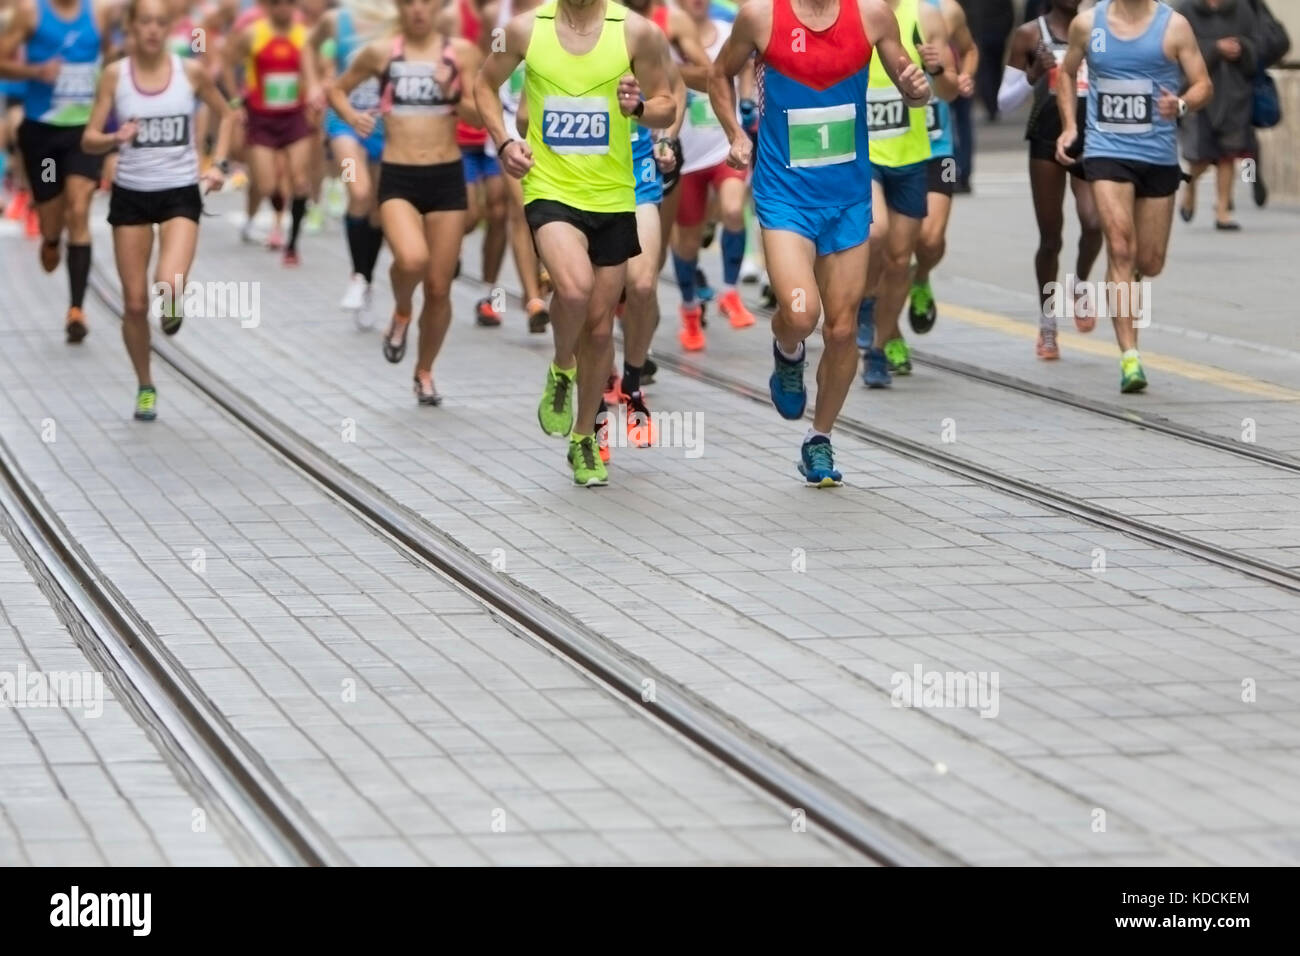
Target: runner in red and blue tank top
[(812, 182)]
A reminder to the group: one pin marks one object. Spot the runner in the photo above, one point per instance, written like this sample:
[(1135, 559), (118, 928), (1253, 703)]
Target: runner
[(1139, 53), (1036, 53), (281, 86), (706, 172), (62, 42), (154, 92), (576, 167), (499, 12), (900, 170), (931, 243), (811, 179), (422, 200), (357, 155), (486, 186)]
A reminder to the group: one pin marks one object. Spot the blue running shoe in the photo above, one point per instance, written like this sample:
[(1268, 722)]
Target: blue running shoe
[(703, 291), (875, 373), (786, 385), (866, 324), (818, 464)]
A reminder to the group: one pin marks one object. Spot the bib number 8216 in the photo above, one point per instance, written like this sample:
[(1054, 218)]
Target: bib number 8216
[(1123, 106)]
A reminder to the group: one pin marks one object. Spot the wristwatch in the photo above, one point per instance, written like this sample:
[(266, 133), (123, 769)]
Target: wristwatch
[(502, 148), (1182, 107), (640, 108)]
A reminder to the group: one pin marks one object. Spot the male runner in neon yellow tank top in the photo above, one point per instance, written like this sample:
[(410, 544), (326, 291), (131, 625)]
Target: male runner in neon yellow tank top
[(900, 157), (589, 62)]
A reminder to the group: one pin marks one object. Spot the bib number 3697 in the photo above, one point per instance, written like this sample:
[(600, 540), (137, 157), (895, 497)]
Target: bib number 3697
[(576, 125), (163, 131), (1124, 106), (822, 136)]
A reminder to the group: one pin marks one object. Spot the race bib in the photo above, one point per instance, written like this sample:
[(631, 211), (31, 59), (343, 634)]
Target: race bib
[(932, 124), (280, 90), (1080, 78), (416, 88), (887, 114), (822, 136), (75, 83), (163, 131), (576, 124), (700, 111), (1124, 106), (364, 98)]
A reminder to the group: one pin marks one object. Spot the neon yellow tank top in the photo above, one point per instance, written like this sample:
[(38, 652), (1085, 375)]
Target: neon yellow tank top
[(581, 143), (897, 135)]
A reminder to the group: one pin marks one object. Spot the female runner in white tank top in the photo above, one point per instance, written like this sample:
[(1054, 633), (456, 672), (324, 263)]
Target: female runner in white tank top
[(155, 94)]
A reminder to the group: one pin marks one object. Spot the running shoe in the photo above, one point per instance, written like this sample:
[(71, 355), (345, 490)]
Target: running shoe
[(76, 325), (817, 463), (691, 334), (314, 222), (786, 385), (1047, 348), (1259, 191), (1131, 376), (555, 410), (875, 372), (18, 206), (171, 322), (49, 255), (485, 315), (867, 324), (703, 291), (750, 271), (395, 350), (275, 241), (899, 357), (354, 296), (613, 389), (648, 371), (640, 424), (603, 420), (588, 470), (291, 260), (425, 393), (921, 311), (538, 317), (146, 404), (246, 232), (1085, 309), (365, 316), (735, 311)]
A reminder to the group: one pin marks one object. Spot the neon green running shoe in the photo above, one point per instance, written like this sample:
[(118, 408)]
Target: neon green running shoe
[(1131, 376), (921, 310), (899, 357), (584, 457), (146, 402), (555, 410)]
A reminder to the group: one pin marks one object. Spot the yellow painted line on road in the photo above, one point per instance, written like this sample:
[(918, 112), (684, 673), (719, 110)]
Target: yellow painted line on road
[(1104, 346)]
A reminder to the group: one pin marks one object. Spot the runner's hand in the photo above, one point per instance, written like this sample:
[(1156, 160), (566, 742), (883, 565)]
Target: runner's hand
[(48, 72), (929, 56), (742, 148), (126, 132), (1039, 64), (665, 157), (629, 94), (965, 85), (911, 81), (516, 158), (363, 123), (212, 180), (1167, 105), (1064, 143)]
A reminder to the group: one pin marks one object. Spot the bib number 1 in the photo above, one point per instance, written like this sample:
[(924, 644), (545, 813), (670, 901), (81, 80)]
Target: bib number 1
[(822, 136)]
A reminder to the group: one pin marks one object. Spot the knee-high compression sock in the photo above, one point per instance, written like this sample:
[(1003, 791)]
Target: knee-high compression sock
[(357, 229), (374, 237), (298, 210), (78, 272), (733, 251), (631, 378), (866, 323), (684, 269)]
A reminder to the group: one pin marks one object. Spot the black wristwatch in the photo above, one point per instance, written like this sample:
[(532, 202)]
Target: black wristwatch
[(502, 148), (224, 167), (938, 72), (640, 108)]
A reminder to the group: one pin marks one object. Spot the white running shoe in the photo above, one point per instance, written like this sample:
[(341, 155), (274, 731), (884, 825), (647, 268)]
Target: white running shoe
[(354, 296), (365, 317), (750, 271)]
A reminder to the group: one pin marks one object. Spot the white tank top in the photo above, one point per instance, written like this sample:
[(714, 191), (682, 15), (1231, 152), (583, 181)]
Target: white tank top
[(162, 155), (704, 144)]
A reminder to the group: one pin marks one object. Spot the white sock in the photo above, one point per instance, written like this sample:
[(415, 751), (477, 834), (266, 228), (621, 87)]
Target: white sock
[(813, 433), (1130, 353), (795, 357)]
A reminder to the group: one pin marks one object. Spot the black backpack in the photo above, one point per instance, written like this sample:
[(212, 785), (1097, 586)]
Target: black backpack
[(1271, 36)]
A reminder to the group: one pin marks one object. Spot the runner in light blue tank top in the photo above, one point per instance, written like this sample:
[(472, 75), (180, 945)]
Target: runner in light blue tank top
[(1145, 70)]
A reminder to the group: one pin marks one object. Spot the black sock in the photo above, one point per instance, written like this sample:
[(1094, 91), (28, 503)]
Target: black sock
[(358, 233), (374, 241), (297, 211), (78, 272), (277, 201), (631, 378)]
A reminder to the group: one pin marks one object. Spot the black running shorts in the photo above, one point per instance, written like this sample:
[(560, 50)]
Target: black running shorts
[(53, 153), (611, 236), (1150, 180), (135, 207), (439, 187)]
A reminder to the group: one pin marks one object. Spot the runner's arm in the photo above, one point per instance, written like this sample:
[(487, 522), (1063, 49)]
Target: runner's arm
[(1199, 88), (496, 69), (752, 21), (93, 139), (313, 95), (882, 31), (205, 89), (695, 62), (21, 26), (968, 53), (938, 49), (236, 51), (1021, 72), (364, 65), (470, 61), (321, 33), (654, 72), (1066, 91), (487, 14)]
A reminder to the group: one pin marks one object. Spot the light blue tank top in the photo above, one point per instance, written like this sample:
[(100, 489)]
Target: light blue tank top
[(1124, 82), (938, 120)]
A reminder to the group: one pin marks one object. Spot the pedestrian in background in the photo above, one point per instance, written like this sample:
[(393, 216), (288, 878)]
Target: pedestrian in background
[(1221, 134), (991, 22)]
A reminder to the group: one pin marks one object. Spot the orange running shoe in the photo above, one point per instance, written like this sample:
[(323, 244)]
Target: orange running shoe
[(1047, 348), (603, 421), (76, 325), (640, 426), (18, 206), (49, 253), (691, 334), (485, 314), (33, 228), (538, 316), (1085, 309), (613, 389), (735, 311)]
